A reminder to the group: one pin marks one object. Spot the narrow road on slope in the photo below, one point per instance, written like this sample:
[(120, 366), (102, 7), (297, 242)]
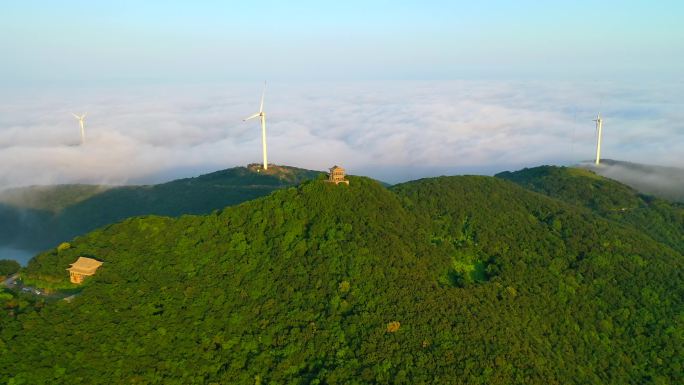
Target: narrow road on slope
[(9, 282)]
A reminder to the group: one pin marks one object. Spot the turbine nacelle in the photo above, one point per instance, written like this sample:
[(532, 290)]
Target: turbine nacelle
[(258, 114), (79, 117)]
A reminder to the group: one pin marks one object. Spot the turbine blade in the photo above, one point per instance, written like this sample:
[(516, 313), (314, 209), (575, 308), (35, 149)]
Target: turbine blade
[(75, 116), (252, 117), (263, 93)]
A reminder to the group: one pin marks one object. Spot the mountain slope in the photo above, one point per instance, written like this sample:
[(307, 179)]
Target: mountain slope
[(44, 217), (662, 220), (445, 280)]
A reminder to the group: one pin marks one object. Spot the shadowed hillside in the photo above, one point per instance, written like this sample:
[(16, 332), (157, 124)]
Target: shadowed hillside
[(41, 217), (51, 199)]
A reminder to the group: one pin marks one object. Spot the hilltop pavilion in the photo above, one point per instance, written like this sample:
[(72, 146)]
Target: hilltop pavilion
[(83, 267), (337, 175)]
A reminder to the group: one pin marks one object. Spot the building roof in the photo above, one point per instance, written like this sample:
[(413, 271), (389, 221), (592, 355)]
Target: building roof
[(84, 265), (336, 168)]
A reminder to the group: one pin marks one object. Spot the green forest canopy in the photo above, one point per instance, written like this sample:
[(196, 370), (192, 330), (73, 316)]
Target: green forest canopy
[(444, 280)]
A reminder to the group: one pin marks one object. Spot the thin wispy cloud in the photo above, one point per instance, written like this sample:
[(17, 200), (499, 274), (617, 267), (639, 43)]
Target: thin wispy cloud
[(389, 130)]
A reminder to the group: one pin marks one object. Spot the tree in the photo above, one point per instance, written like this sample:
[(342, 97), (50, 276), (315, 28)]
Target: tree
[(8, 267)]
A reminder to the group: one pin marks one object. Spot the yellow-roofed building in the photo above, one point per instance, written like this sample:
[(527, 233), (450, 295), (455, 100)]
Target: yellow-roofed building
[(83, 267), (337, 175)]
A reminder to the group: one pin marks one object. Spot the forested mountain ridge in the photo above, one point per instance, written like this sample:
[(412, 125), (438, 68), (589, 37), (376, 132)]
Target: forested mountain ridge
[(660, 219), (40, 217), (445, 280)]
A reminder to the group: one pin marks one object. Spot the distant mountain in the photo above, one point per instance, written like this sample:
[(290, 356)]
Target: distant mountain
[(52, 199), (659, 181), (39, 217), (451, 280), (660, 219)]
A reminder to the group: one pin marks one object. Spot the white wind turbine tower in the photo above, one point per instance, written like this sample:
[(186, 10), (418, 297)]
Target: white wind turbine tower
[(262, 115), (599, 133), (81, 122)]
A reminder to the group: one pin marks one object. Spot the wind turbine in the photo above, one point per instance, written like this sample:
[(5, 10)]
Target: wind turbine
[(81, 122), (262, 116), (599, 132)]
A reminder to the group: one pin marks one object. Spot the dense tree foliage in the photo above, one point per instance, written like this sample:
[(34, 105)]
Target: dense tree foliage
[(40, 217), (449, 280), (660, 219), (8, 267)]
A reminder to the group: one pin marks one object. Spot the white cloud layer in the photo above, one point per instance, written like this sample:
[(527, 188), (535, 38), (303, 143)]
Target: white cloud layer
[(393, 131)]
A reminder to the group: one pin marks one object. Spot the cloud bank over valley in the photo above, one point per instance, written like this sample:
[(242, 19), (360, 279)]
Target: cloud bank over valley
[(393, 131)]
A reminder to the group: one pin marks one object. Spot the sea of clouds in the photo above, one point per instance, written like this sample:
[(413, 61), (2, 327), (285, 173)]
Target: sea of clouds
[(393, 131)]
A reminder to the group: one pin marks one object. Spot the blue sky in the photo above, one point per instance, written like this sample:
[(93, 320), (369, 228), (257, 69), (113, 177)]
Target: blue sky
[(130, 42), (391, 89)]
